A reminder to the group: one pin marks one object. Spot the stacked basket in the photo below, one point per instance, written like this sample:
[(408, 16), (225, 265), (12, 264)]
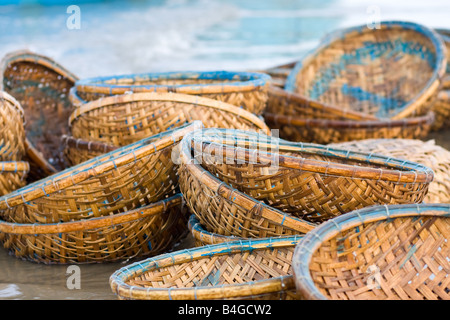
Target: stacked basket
[(362, 83), (442, 105)]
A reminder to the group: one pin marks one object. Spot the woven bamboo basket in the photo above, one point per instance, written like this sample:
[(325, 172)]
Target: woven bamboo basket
[(247, 90), (426, 153), (442, 107), (246, 269), (300, 119), (309, 181), (42, 87), (224, 210), (389, 72), (142, 232), (119, 181), (12, 131), (77, 151), (445, 35), (203, 237), (384, 252), (123, 119), (279, 74), (13, 175)]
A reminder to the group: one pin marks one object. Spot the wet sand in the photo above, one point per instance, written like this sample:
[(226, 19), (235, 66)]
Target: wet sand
[(26, 280)]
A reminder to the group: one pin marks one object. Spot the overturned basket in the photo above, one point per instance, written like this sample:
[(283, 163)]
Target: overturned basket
[(383, 252), (119, 181), (42, 87), (426, 153), (393, 71), (146, 231), (243, 89), (224, 210), (300, 119), (256, 269), (309, 181), (12, 131), (13, 175), (123, 119)]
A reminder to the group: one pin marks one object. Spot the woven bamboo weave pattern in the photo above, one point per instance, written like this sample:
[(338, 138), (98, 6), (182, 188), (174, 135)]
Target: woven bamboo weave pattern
[(246, 90), (142, 232), (260, 269), (120, 120), (390, 72), (42, 88), (124, 179), (13, 175), (77, 151), (224, 210), (12, 132), (384, 252), (202, 237), (300, 119), (441, 107), (310, 181), (426, 153)]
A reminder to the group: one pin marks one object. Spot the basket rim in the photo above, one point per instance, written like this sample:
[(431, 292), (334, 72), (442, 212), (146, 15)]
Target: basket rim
[(91, 223), (412, 171), (89, 145), (248, 81), (6, 96), (199, 232), (38, 158), (444, 34), (14, 166), (119, 277), (25, 55), (90, 168), (432, 84), (235, 196), (327, 230), (170, 96)]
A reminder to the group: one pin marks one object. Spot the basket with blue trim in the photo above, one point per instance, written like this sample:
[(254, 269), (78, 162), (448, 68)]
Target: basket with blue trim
[(398, 252), (393, 71), (309, 181), (12, 131), (247, 90), (245, 269), (121, 180), (146, 231)]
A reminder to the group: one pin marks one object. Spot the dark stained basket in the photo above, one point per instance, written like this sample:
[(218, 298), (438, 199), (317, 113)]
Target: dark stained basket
[(142, 232), (224, 210), (300, 119), (309, 181), (246, 269), (13, 175), (118, 181), (389, 72), (12, 131), (247, 90), (42, 88), (123, 119), (383, 252)]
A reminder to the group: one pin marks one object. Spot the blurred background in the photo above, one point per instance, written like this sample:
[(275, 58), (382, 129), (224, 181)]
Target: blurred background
[(116, 37)]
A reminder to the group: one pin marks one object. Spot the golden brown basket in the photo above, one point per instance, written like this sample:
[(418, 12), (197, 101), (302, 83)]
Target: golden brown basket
[(309, 181), (242, 89), (393, 71), (123, 119), (142, 232), (13, 175), (300, 119), (42, 87), (383, 252), (203, 237), (279, 74), (119, 181), (12, 132), (77, 151), (426, 153), (224, 210), (441, 107), (246, 269)]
